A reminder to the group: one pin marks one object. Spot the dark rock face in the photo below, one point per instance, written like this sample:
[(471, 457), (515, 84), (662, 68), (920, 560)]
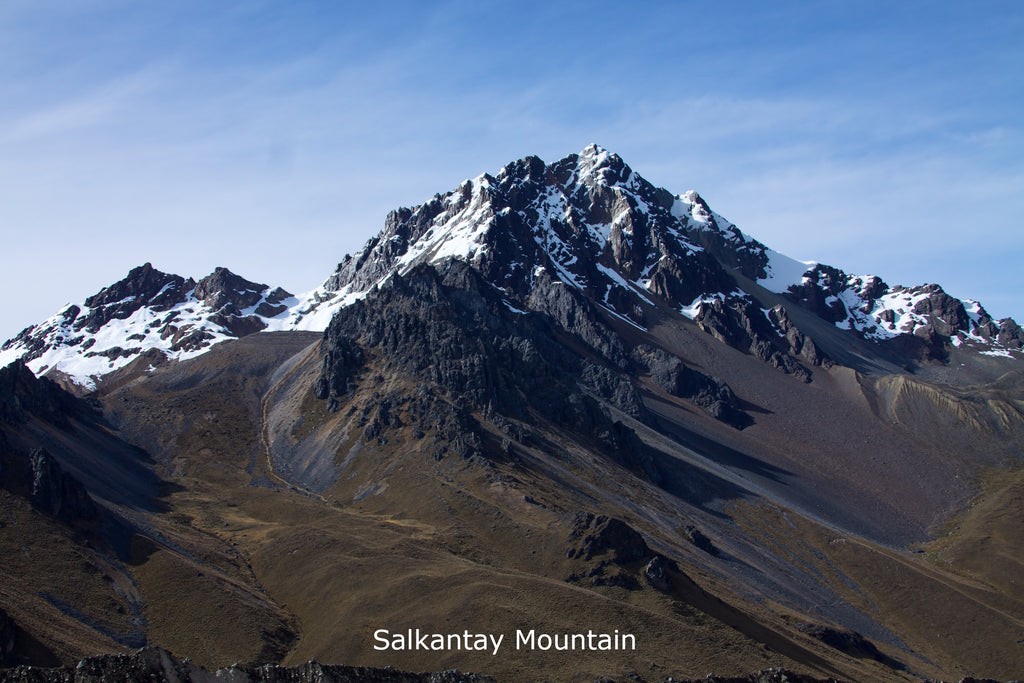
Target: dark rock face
[(144, 286), (800, 345), (681, 279), (57, 493), (657, 573), (343, 361), (449, 329), (223, 288), (738, 322), (575, 314), (271, 304), (945, 314), (229, 295), (916, 323), (616, 388), (1011, 334), (710, 393), (726, 242), (850, 642), (153, 665), (22, 394), (697, 538), (820, 287), (432, 332)]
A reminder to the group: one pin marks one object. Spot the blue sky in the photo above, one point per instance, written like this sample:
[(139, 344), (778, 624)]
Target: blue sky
[(273, 137)]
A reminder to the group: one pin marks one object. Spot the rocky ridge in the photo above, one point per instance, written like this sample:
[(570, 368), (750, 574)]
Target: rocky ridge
[(590, 222), (148, 312), (23, 394), (924, 320), (587, 222)]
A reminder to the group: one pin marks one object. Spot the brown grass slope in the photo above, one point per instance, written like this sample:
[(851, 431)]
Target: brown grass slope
[(239, 565), (455, 542)]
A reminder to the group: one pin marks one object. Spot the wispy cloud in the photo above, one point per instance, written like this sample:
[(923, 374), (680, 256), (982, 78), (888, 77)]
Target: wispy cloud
[(106, 104)]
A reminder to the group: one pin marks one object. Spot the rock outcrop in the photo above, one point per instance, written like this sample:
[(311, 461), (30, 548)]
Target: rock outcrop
[(34, 472), (57, 493), (917, 323), (154, 665), (615, 554), (710, 393)]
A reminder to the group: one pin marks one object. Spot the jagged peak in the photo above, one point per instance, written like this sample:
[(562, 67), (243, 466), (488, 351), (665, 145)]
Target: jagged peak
[(593, 155), (598, 224), (530, 169), (696, 207), (596, 164), (222, 287), (142, 282)]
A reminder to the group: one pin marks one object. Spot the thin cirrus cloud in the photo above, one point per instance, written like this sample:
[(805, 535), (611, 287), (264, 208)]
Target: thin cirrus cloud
[(97, 107)]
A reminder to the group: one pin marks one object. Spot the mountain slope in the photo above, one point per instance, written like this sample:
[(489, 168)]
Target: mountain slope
[(92, 553)]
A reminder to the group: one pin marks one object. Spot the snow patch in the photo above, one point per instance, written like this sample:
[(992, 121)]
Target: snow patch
[(783, 271), (512, 308), (622, 282), (693, 310)]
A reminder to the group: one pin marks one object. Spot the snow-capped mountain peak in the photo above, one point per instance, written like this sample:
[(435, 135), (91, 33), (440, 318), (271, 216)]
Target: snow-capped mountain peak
[(146, 311), (587, 221)]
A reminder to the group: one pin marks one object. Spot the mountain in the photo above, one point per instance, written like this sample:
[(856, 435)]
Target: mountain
[(556, 400), (588, 222)]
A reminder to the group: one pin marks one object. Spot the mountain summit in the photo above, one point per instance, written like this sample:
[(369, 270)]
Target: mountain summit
[(588, 222)]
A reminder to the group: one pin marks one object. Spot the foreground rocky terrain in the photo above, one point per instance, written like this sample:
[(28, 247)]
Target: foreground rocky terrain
[(153, 664), (555, 401)]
